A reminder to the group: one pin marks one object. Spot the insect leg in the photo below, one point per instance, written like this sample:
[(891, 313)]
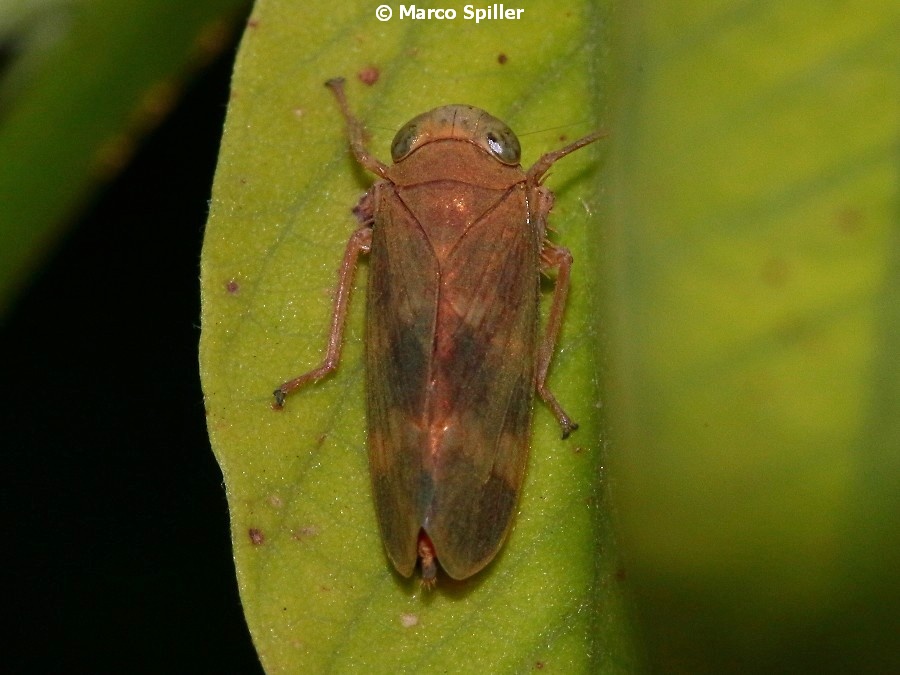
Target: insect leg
[(355, 130), (360, 242), (560, 258)]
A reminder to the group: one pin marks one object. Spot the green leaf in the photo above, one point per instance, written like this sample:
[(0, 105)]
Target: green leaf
[(318, 592), (734, 309), (753, 276), (84, 79)]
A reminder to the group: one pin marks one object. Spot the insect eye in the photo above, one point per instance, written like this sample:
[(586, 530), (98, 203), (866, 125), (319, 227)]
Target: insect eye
[(403, 141), (504, 145)]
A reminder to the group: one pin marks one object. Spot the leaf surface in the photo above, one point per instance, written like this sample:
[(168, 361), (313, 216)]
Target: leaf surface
[(318, 591)]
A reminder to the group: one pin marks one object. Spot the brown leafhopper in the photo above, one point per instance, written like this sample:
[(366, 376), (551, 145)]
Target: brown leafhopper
[(455, 232)]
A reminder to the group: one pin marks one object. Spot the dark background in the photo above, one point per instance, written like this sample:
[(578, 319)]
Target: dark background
[(116, 520)]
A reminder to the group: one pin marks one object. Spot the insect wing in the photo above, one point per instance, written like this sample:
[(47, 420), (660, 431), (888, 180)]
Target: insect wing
[(483, 372), (402, 302)]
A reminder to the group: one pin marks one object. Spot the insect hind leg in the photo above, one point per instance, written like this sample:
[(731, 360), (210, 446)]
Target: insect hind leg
[(561, 258)]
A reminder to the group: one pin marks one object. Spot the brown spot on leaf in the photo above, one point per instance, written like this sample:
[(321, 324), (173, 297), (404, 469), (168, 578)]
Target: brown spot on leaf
[(213, 37), (502, 58), (112, 154), (304, 532), (776, 272), (850, 220), (369, 75), (257, 537)]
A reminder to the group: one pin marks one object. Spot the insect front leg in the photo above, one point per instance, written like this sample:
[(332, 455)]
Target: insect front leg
[(560, 258), (355, 130), (360, 242)]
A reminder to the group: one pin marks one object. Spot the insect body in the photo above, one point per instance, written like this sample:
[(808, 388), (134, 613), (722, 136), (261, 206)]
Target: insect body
[(455, 232)]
